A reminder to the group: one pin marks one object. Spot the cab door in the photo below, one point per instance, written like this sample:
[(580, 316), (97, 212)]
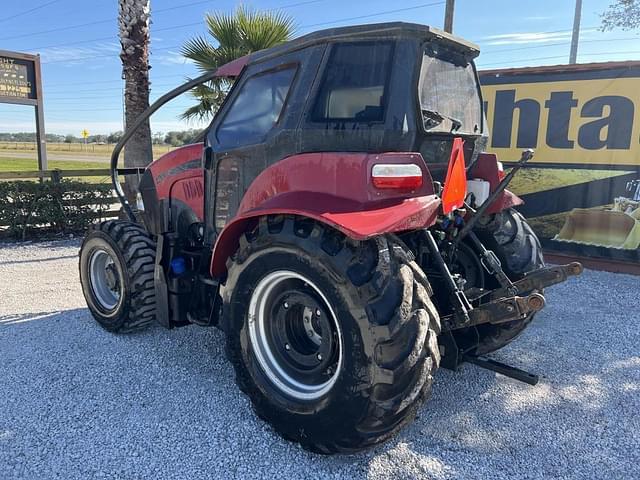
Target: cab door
[(255, 127)]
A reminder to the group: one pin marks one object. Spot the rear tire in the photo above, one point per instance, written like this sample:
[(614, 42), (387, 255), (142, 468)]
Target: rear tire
[(117, 260), (381, 351), (511, 238)]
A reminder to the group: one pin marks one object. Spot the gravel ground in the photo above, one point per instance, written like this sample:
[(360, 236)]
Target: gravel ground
[(78, 402)]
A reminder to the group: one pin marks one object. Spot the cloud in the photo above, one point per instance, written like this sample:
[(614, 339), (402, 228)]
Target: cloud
[(535, 18), (531, 37), (70, 56), (171, 59), (528, 37)]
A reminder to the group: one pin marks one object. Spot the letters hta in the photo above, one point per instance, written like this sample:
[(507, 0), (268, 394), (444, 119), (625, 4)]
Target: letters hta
[(611, 112)]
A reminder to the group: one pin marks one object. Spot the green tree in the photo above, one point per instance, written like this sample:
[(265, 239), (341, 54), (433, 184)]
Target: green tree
[(234, 35), (114, 137), (623, 14)]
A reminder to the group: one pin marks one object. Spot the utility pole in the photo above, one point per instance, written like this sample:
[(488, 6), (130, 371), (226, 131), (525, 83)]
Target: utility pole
[(576, 33), (448, 16)]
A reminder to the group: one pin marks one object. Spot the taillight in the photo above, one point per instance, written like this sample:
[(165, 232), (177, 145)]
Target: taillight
[(403, 176), (455, 185)]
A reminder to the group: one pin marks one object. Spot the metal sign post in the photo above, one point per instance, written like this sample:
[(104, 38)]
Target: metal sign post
[(85, 134), (20, 84)]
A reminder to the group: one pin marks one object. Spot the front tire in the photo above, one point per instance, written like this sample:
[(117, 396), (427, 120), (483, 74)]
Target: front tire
[(334, 341), (117, 260)]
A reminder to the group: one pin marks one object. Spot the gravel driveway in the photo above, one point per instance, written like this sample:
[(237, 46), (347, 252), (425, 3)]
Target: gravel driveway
[(78, 402)]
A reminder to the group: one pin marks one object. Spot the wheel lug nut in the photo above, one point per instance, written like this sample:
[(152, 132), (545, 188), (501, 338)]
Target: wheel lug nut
[(287, 347), (319, 357), (318, 312), (286, 304)]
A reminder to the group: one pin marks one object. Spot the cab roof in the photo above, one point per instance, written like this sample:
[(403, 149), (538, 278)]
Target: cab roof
[(373, 31)]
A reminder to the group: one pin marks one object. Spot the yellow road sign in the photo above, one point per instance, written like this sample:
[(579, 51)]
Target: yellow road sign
[(84, 133)]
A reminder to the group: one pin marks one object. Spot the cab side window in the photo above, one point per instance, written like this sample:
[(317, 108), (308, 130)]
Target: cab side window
[(354, 84), (256, 109)]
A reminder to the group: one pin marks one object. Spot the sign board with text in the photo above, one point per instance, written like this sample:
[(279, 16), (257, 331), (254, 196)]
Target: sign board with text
[(577, 116), (20, 83), (582, 188), (17, 79)]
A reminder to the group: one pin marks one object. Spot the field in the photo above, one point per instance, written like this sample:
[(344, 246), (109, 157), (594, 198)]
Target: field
[(73, 148), (532, 180), (10, 164)]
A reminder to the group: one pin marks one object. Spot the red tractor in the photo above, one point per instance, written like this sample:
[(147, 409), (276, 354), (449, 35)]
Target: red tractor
[(327, 225)]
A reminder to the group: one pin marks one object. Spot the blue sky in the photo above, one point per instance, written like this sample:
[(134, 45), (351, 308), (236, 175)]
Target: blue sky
[(81, 70)]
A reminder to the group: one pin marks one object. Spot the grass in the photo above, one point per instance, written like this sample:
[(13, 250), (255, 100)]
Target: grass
[(8, 164), (532, 180), (73, 149)]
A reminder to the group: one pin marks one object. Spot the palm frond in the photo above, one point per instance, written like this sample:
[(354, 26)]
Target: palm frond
[(234, 35), (262, 30), (224, 28), (201, 52)]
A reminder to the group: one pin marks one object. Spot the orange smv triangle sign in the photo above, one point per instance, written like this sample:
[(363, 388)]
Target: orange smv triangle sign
[(455, 185)]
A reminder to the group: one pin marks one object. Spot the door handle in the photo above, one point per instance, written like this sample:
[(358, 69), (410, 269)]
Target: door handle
[(208, 158)]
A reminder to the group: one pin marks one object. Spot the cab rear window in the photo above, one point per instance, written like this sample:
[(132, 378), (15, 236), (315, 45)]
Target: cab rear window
[(355, 82)]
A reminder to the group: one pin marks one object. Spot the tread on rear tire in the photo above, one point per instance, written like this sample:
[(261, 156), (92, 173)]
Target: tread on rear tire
[(389, 332)]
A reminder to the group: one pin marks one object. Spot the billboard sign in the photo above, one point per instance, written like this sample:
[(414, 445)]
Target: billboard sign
[(581, 189), (581, 116)]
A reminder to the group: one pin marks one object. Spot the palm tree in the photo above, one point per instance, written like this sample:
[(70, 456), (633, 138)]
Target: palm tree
[(133, 22), (236, 35)]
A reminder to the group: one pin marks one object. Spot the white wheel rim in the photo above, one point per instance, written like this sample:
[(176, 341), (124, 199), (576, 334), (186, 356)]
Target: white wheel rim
[(263, 350), (101, 268)]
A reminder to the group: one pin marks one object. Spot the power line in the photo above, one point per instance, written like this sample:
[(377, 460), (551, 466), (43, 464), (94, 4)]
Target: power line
[(111, 54), (111, 81), (154, 12), (59, 29), (104, 89), (29, 11), (564, 30), (97, 22), (528, 47), (360, 17), (386, 12), (634, 52), (518, 61)]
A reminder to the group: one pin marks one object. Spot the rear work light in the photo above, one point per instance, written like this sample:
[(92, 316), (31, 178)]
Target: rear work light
[(455, 184), (403, 176)]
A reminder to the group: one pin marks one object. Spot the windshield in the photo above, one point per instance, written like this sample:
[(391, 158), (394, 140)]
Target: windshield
[(448, 94)]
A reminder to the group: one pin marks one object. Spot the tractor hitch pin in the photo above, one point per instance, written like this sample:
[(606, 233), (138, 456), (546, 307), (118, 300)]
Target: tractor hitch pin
[(526, 156)]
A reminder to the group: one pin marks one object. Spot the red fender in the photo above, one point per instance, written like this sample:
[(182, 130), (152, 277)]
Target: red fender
[(486, 168), (335, 189)]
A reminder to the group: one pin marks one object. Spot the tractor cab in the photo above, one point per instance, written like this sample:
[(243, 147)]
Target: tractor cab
[(370, 89)]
